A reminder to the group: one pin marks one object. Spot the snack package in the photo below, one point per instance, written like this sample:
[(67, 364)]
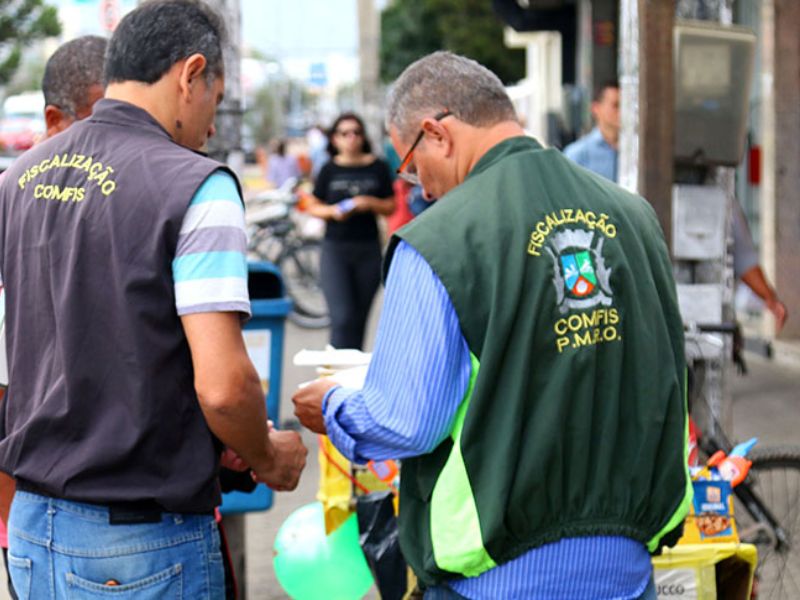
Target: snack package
[(711, 517)]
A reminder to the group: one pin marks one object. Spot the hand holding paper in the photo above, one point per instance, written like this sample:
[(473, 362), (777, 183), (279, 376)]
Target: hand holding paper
[(308, 404)]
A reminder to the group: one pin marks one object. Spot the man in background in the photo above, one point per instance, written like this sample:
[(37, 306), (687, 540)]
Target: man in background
[(72, 83), (598, 150)]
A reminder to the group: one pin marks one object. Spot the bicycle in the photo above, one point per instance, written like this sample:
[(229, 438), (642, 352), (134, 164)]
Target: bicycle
[(277, 235), (767, 502)]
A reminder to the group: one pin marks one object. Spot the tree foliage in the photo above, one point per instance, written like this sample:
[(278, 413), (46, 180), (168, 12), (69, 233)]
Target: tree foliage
[(28, 77), (21, 22), (411, 29), (263, 117)]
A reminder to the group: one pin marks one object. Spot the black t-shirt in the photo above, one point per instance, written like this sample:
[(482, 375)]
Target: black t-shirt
[(337, 182)]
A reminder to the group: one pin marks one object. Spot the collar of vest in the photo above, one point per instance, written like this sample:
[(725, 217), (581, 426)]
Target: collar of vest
[(514, 145), (119, 112)]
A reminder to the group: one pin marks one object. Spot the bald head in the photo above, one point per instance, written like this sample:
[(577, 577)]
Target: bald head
[(73, 81)]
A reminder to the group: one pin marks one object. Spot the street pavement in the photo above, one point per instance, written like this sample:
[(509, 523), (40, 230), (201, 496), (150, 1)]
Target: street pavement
[(261, 528)]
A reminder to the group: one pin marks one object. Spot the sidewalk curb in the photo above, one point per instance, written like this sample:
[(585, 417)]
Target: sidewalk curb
[(787, 353)]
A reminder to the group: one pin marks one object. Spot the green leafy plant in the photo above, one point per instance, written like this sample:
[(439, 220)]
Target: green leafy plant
[(22, 22)]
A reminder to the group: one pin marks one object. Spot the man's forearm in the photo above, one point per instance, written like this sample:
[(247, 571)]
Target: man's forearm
[(240, 422), (757, 281), (381, 206), (230, 396)]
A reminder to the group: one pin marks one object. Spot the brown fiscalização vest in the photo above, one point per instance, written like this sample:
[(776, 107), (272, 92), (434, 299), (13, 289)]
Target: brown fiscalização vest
[(101, 405)]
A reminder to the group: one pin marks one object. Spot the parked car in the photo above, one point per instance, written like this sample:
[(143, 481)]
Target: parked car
[(5, 162), (20, 133)]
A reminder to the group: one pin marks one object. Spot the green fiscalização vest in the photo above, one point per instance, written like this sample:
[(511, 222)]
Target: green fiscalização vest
[(574, 423)]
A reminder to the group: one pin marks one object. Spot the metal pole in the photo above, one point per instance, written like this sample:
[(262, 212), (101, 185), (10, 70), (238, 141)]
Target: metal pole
[(226, 145), (646, 163), (370, 99), (629, 91)]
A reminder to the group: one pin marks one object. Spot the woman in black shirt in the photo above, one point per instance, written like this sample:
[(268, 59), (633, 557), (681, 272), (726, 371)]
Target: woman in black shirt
[(350, 190)]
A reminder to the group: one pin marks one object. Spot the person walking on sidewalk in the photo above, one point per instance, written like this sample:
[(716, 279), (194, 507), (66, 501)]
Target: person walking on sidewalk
[(123, 255), (350, 191), (528, 366)]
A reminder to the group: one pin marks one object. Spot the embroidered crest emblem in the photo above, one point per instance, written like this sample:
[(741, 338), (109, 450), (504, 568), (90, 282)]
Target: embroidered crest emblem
[(580, 276), (578, 273)]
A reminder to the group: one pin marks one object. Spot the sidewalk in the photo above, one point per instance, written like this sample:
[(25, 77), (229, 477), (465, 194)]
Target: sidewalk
[(766, 402)]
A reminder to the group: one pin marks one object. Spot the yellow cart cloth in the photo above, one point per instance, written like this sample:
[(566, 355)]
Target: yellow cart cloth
[(336, 488), (690, 570)]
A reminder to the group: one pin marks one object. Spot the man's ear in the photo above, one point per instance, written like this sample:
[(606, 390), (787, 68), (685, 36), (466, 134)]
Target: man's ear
[(190, 71), (438, 134), (55, 120)]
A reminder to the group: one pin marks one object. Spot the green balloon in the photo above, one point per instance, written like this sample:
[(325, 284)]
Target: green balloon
[(313, 566)]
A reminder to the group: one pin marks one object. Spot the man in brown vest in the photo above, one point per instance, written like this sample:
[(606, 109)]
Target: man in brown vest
[(127, 366)]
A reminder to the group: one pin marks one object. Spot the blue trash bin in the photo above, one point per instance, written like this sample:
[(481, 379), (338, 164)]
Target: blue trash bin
[(263, 334)]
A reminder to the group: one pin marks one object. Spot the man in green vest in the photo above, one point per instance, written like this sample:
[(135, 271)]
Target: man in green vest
[(529, 365)]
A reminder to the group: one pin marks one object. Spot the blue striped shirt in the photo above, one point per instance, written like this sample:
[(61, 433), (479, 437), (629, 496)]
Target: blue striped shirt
[(418, 377), (210, 265)]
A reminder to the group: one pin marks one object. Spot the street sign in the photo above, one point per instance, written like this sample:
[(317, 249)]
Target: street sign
[(109, 14)]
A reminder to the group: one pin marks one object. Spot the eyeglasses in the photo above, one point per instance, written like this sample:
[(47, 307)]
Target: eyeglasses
[(407, 171), (349, 132)]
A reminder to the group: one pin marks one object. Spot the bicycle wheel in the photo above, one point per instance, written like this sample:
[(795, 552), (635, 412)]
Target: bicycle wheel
[(775, 479), (267, 242), (299, 265)]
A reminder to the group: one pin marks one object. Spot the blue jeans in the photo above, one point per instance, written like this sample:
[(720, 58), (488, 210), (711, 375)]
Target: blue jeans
[(67, 550)]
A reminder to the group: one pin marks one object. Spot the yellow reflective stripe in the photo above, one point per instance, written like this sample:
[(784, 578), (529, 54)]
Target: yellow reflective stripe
[(683, 508), (455, 526)]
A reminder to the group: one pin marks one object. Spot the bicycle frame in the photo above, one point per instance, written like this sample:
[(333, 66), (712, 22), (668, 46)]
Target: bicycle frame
[(764, 520), (760, 513)]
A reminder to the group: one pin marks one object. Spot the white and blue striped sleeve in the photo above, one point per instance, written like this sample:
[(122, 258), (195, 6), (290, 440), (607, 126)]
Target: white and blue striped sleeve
[(210, 265), (418, 376)]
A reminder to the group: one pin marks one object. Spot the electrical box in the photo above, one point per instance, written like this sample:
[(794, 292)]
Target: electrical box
[(713, 72), (700, 303), (699, 219)]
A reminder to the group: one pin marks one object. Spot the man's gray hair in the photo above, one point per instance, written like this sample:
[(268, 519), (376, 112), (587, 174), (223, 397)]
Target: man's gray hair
[(444, 80), (72, 70)]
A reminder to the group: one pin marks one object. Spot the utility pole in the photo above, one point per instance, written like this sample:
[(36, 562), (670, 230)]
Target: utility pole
[(629, 95), (646, 163), (780, 210), (226, 145), (369, 68)]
